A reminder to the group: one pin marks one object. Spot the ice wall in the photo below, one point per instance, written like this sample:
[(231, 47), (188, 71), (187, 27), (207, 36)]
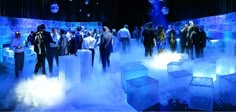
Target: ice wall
[(216, 27), (8, 26)]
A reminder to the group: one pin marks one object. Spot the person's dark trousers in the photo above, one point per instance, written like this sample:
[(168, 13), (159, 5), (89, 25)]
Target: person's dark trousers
[(19, 62), (201, 54), (55, 54), (190, 52), (148, 51), (40, 64), (125, 44), (197, 51), (49, 56), (105, 58), (183, 48), (93, 53)]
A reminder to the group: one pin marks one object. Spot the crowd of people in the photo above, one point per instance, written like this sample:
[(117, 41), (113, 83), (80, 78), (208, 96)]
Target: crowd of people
[(50, 45)]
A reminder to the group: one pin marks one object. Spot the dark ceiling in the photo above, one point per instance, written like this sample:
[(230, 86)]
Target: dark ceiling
[(113, 12)]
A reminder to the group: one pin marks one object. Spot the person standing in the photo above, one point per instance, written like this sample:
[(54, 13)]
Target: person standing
[(183, 38), (89, 43), (160, 39), (17, 47), (149, 36), (55, 45), (124, 36), (172, 38), (42, 48), (105, 47), (63, 43)]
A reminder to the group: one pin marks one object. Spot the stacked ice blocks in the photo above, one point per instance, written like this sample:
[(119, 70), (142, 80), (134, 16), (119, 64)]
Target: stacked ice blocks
[(69, 70), (142, 92), (179, 81), (131, 71), (204, 69), (201, 93), (228, 88)]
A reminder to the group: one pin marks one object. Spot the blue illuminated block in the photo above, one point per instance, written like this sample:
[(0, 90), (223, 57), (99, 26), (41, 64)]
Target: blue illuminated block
[(204, 69), (69, 70), (201, 93), (179, 81), (228, 88), (225, 66), (142, 92), (188, 65), (132, 71), (85, 57), (174, 66)]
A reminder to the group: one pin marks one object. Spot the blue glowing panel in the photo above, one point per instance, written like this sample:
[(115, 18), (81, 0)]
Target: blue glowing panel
[(225, 66), (228, 88), (131, 71), (142, 92), (201, 93), (204, 69)]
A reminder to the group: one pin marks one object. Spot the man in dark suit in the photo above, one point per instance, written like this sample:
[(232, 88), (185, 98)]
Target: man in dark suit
[(42, 49), (105, 47)]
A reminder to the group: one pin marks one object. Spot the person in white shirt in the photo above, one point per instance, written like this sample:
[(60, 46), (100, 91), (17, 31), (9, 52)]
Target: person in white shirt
[(124, 36), (55, 46), (89, 43), (18, 48)]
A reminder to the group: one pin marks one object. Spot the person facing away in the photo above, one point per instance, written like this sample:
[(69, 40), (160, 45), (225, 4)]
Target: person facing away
[(105, 47), (89, 43), (124, 36), (42, 42), (17, 47), (183, 38), (63, 43), (172, 38), (79, 37), (149, 36)]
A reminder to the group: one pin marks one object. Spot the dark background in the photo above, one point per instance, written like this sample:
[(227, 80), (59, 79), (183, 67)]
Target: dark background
[(113, 13)]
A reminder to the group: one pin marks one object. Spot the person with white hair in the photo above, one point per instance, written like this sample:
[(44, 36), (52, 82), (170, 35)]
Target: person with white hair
[(124, 36)]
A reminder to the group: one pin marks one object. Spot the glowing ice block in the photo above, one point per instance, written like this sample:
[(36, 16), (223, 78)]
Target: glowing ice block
[(69, 70), (179, 81), (228, 88), (132, 71), (204, 69), (174, 66), (225, 66), (188, 65), (201, 93), (85, 57), (142, 92)]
